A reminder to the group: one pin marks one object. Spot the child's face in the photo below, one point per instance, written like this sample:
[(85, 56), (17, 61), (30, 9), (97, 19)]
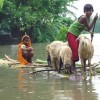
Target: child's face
[(88, 13), (26, 40)]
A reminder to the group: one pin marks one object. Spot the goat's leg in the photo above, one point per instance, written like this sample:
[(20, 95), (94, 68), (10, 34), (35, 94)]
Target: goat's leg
[(53, 62), (49, 60), (60, 64), (85, 68), (90, 68), (90, 71), (84, 65), (83, 71)]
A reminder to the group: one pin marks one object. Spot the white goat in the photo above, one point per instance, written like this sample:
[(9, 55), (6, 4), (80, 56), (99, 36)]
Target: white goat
[(86, 51), (65, 58), (57, 55), (54, 52)]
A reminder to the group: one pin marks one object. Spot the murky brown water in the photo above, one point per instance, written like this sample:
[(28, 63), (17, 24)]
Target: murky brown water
[(19, 84)]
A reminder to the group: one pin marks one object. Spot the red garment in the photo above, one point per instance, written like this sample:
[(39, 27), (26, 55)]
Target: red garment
[(73, 43)]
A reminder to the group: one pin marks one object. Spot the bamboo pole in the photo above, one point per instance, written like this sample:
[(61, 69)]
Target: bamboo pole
[(42, 70)]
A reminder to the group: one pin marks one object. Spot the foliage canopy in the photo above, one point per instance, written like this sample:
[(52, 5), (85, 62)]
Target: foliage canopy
[(42, 20)]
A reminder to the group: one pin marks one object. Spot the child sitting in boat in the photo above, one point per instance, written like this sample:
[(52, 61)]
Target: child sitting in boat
[(25, 51)]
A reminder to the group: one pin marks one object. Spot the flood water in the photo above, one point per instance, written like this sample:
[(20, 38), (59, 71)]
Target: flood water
[(19, 84)]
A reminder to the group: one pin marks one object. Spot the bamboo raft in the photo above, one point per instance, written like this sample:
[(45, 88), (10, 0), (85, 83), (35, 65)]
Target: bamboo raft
[(34, 67), (41, 66)]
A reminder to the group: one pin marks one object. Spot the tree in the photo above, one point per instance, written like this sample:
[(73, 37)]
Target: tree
[(1, 4), (41, 19)]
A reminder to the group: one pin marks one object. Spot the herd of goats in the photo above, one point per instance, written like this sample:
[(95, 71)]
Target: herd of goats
[(59, 55)]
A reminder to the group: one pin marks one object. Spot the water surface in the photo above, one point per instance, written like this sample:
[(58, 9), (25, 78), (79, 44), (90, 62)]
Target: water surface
[(19, 84)]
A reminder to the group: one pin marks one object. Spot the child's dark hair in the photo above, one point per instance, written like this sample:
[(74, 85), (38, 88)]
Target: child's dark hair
[(88, 7)]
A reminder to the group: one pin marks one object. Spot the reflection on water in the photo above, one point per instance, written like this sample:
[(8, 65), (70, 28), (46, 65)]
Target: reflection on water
[(21, 80), (74, 90), (66, 90), (18, 84), (25, 84), (96, 83)]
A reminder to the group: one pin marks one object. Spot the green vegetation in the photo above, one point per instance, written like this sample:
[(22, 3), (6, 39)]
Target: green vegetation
[(42, 20), (1, 4)]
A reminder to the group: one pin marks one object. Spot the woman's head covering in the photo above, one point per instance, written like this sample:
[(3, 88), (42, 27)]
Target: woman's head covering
[(23, 38)]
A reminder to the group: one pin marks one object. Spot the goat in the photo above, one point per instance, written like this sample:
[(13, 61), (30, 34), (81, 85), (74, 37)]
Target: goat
[(85, 51)]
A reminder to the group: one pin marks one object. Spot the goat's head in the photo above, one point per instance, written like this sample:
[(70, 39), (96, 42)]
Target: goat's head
[(82, 39), (67, 68)]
